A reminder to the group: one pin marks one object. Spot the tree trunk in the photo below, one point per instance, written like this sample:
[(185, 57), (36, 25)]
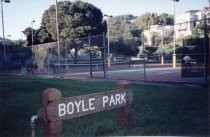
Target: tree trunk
[(76, 55)]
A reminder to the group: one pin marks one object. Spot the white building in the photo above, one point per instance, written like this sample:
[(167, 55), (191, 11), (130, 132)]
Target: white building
[(186, 23), (163, 31), (207, 12)]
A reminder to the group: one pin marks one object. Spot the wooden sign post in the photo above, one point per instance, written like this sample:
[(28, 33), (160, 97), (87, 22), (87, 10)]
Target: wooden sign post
[(57, 109), (51, 128), (124, 115)]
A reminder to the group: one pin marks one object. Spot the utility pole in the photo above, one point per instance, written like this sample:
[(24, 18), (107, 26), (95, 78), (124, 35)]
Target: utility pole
[(109, 60), (2, 17), (58, 40), (32, 32), (174, 55)]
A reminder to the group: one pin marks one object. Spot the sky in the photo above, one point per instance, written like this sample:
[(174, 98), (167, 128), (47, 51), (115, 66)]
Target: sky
[(18, 14)]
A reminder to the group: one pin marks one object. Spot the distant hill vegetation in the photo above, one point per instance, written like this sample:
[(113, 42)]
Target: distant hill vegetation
[(192, 11), (126, 17), (1, 39)]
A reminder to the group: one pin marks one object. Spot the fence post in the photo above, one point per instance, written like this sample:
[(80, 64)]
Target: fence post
[(208, 88), (162, 59), (51, 129), (124, 114), (208, 56)]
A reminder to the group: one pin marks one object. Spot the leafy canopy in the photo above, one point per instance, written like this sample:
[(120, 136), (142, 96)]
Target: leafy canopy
[(148, 19), (76, 20)]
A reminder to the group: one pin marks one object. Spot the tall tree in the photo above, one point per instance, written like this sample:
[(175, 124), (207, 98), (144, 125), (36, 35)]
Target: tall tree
[(115, 28), (146, 20), (166, 19), (40, 36), (44, 36), (155, 39), (28, 33), (76, 20), (155, 43)]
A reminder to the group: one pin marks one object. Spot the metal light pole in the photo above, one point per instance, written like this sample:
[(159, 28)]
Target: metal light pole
[(7, 43), (32, 32), (2, 17), (162, 40), (209, 3), (57, 30), (174, 55), (142, 37), (108, 59), (21, 35), (32, 38)]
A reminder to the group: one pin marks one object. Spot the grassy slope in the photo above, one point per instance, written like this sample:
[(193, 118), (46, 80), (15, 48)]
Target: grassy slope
[(157, 110)]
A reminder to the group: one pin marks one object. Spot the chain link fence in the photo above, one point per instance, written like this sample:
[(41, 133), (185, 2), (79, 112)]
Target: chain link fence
[(16, 56), (88, 58), (76, 55)]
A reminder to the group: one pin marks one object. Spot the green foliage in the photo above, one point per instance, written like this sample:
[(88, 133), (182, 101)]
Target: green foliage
[(127, 47), (135, 32), (169, 48), (40, 36), (119, 29), (125, 17), (145, 21), (43, 36), (155, 46), (165, 19), (148, 19), (125, 37), (28, 34), (127, 31), (168, 39), (160, 51), (76, 20), (150, 49), (156, 39), (131, 47), (45, 55)]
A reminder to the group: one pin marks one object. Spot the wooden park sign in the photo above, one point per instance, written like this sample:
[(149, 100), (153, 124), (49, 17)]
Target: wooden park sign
[(56, 109), (77, 106)]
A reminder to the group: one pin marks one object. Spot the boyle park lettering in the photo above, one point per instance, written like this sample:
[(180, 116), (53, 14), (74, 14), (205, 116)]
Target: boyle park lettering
[(77, 106)]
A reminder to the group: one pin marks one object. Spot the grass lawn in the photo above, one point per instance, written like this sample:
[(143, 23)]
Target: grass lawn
[(157, 110)]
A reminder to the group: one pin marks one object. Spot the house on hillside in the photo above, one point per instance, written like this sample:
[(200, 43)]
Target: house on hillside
[(207, 12), (163, 31), (187, 22)]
